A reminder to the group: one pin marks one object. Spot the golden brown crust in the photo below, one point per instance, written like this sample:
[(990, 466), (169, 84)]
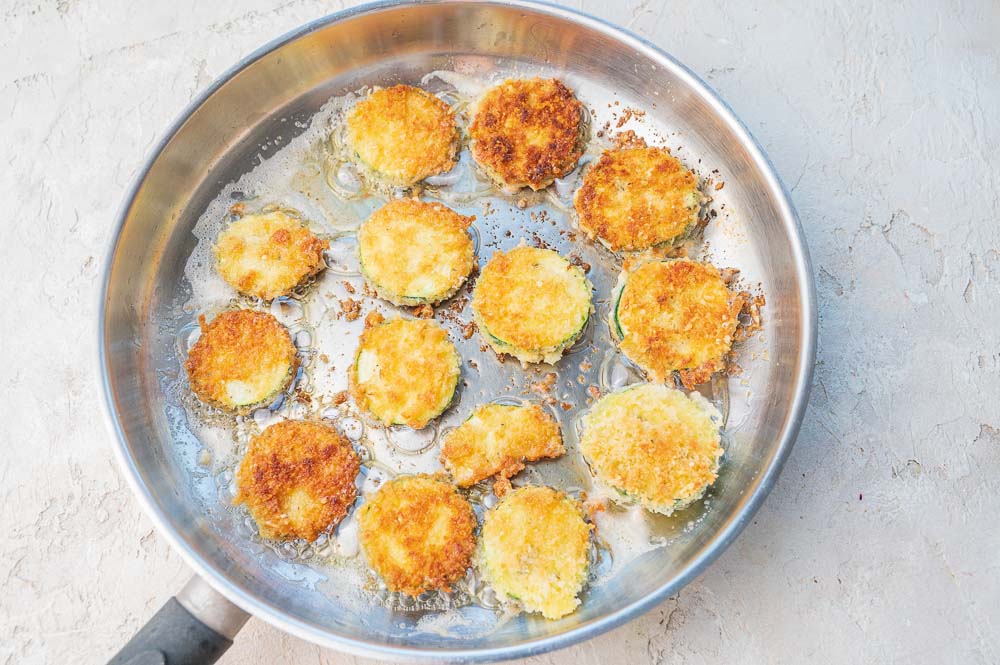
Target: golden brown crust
[(242, 358), (654, 444), (635, 198), (675, 315), (269, 254), (527, 132), (298, 479), (403, 133), (531, 303), (497, 439), (415, 252), (418, 534), (405, 372), (535, 549)]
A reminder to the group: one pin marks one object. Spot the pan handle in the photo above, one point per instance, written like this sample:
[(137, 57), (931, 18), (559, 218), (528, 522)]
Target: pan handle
[(195, 627)]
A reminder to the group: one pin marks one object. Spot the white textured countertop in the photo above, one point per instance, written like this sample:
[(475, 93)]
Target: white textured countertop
[(879, 543)]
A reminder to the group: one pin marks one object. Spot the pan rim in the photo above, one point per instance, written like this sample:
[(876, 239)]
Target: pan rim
[(718, 542)]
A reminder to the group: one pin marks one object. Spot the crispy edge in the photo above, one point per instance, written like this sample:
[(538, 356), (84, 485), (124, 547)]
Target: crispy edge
[(292, 456), (233, 346), (510, 115), (405, 509)]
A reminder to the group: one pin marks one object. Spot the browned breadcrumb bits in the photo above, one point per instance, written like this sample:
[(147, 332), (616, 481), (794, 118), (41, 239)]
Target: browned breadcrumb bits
[(424, 311), (351, 309), (629, 139), (544, 386)]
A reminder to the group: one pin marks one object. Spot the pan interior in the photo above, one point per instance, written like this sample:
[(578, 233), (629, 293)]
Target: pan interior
[(262, 107)]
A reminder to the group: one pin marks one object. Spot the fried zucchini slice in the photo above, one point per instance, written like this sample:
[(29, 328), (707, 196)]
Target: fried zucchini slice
[(535, 549), (636, 198), (417, 533), (674, 315), (405, 372), (497, 439), (416, 253), (403, 134), (268, 254), (655, 445), (527, 132), (531, 303), (298, 479), (242, 359)]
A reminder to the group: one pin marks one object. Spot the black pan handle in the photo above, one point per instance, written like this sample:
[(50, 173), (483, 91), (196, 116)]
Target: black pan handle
[(195, 627)]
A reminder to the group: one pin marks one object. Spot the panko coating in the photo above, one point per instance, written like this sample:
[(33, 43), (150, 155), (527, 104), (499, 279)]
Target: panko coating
[(636, 198), (655, 445), (675, 315), (531, 303), (416, 253), (267, 255), (535, 549), (403, 134), (418, 534), (527, 132), (497, 439), (298, 479), (405, 372), (242, 359)]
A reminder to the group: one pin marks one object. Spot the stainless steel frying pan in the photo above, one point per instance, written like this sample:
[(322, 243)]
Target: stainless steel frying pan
[(259, 101)]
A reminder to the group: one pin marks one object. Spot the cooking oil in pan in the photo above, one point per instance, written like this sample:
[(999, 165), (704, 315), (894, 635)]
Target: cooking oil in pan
[(313, 177)]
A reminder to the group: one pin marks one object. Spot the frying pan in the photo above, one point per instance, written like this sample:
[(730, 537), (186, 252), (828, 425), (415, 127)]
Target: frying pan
[(269, 97)]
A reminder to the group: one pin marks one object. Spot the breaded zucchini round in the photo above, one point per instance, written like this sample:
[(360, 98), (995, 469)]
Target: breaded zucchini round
[(636, 198), (269, 254), (416, 253), (527, 132), (674, 315), (499, 439), (653, 444), (298, 479), (531, 303), (243, 358), (403, 134), (417, 533), (535, 546), (405, 372)]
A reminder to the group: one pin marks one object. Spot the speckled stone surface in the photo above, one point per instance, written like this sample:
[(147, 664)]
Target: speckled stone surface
[(879, 544)]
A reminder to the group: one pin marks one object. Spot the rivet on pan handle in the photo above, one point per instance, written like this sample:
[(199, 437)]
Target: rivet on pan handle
[(195, 627)]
